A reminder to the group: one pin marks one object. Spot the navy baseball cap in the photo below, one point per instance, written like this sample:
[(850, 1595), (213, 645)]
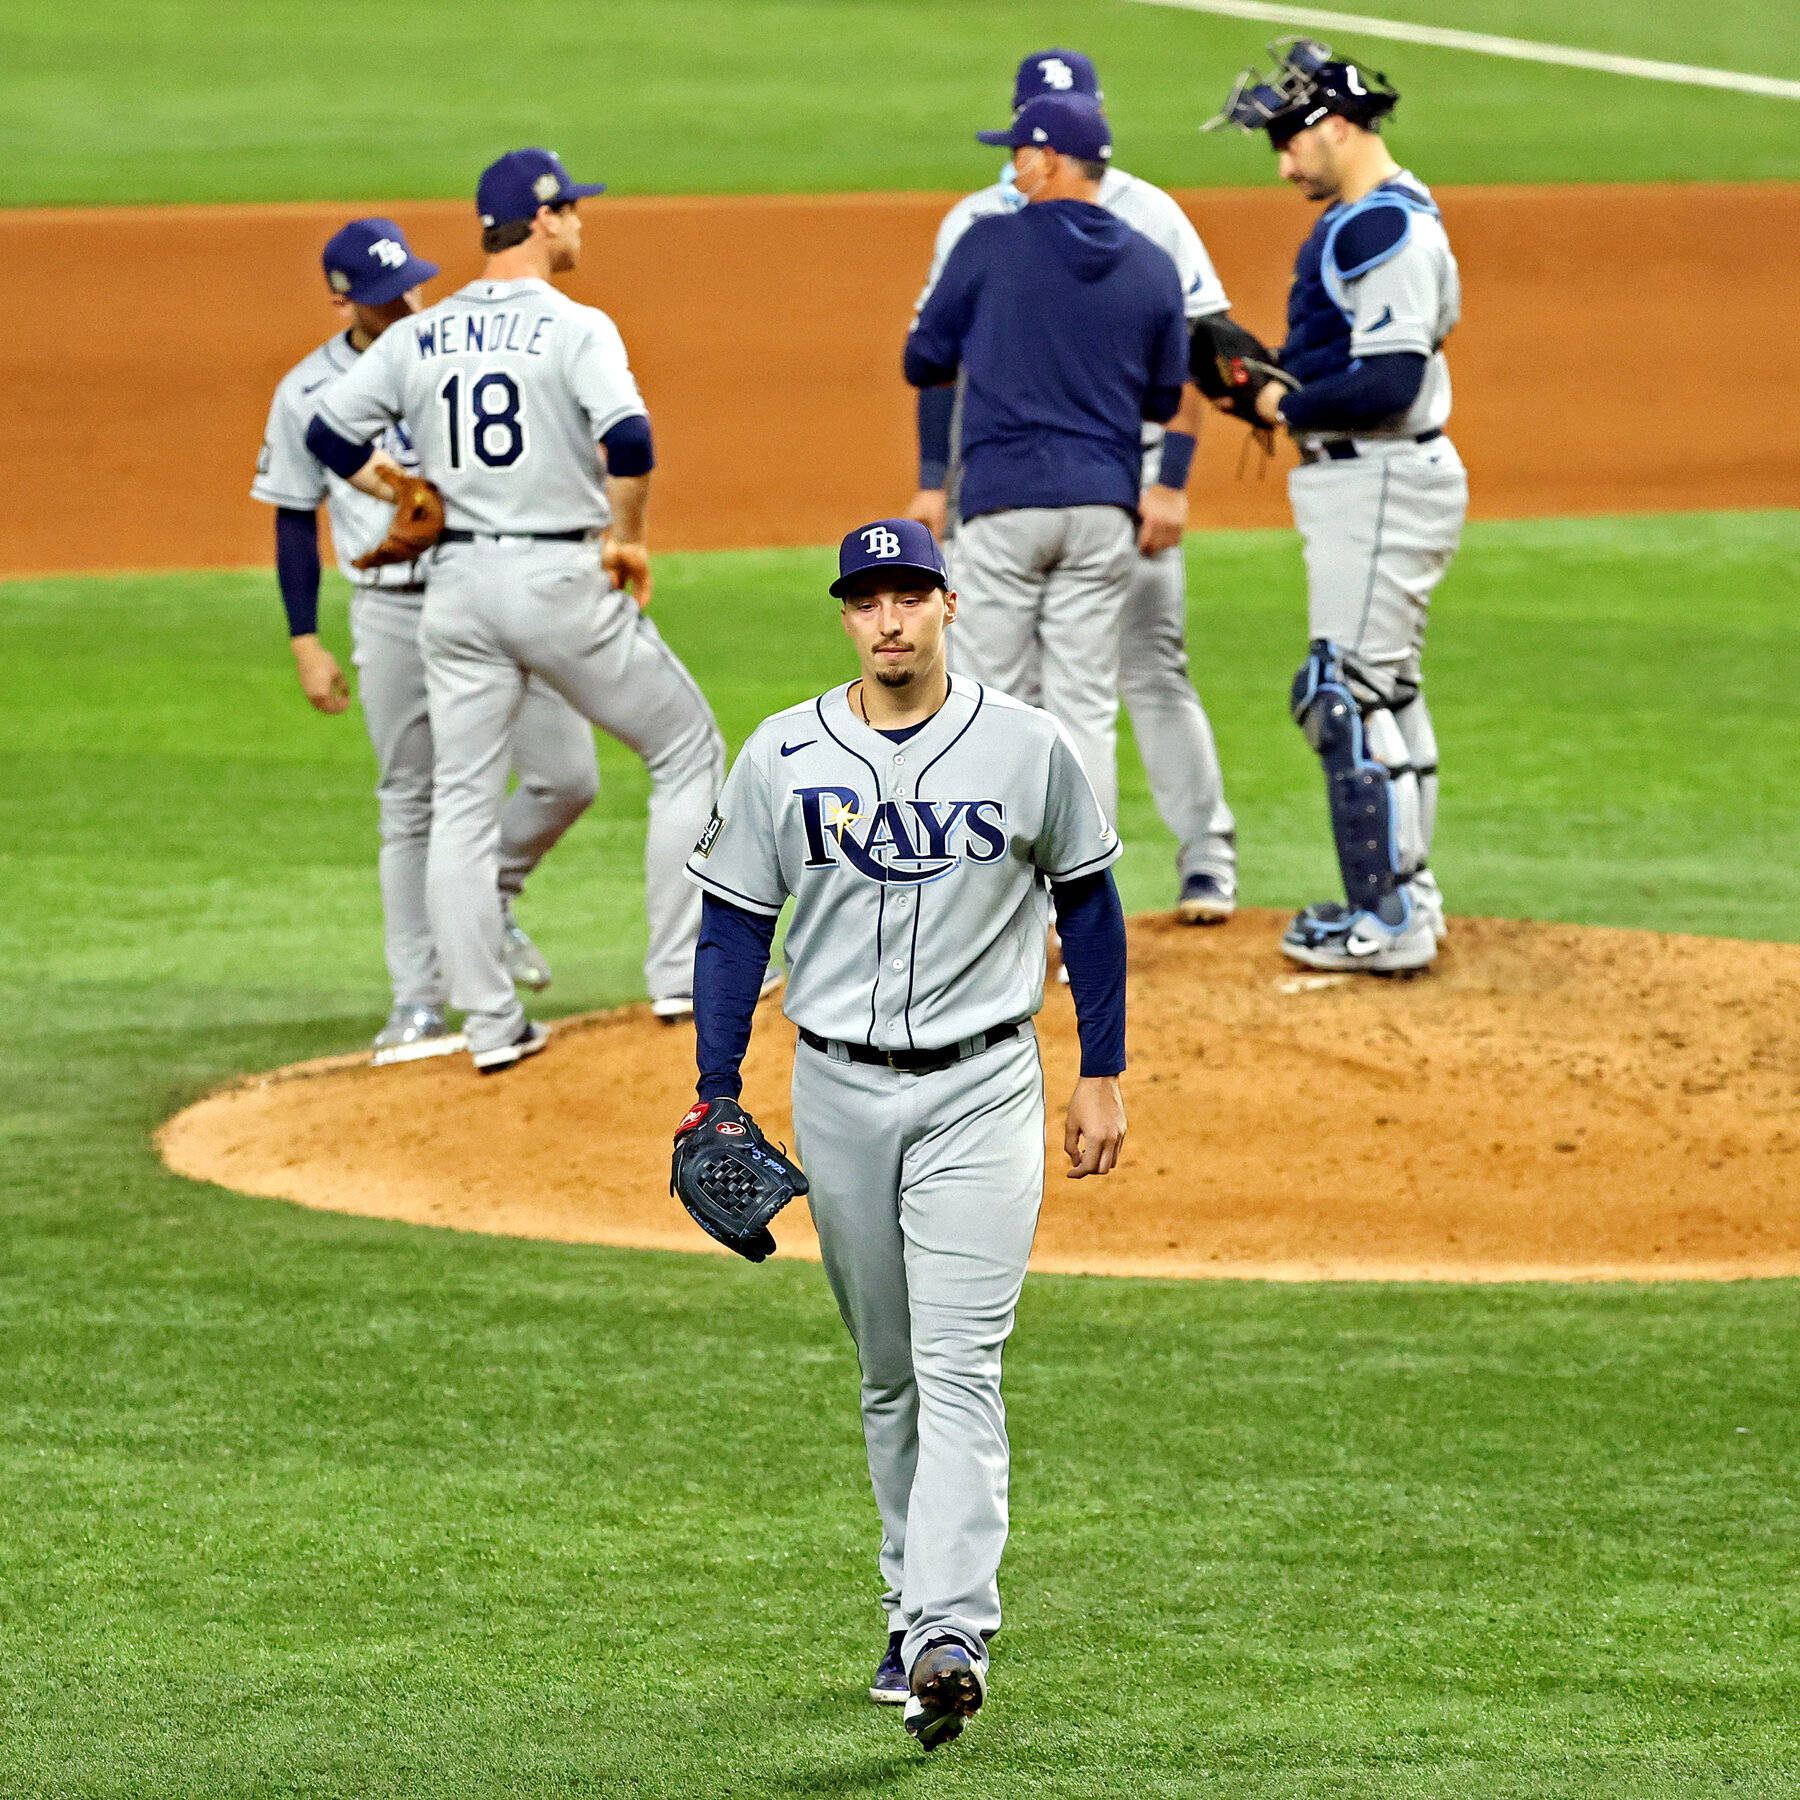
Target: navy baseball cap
[(1054, 72), (890, 544), (523, 180), (370, 262), (1071, 123)]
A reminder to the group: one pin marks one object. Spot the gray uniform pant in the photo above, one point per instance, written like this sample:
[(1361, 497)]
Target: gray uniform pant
[(925, 1192), (497, 612), (1379, 531), (1174, 735), (1042, 593), (552, 754)]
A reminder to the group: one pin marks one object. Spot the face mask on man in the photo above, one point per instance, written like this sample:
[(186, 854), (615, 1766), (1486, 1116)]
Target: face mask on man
[(1009, 187)]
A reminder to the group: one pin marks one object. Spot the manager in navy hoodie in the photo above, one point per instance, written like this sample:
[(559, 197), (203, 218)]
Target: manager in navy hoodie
[(1068, 329)]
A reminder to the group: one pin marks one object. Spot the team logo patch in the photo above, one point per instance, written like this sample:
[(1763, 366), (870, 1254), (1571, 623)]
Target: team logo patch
[(389, 254), (340, 282), (879, 541), (710, 835), (546, 187), (899, 843), (1056, 73)]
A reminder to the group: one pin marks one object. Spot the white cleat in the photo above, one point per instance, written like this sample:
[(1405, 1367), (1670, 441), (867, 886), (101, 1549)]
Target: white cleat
[(413, 1033), (529, 1042), (525, 963), (1330, 936), (1205, 900), (1428, 899)]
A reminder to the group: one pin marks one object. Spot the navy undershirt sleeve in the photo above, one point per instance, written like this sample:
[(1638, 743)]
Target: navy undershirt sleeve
[(936, 407), (628, 447), (730, 962), (1091, 923), (297, 568), (1161, 403), (1370, 390), (338, 454)]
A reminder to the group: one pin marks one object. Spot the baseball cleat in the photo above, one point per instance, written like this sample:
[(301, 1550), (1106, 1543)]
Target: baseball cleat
[(1205, 900), (529, 1042), (1330, 936), (413, 1032), (524, 961), (947, 1689), (1428, 898), (889, 1688)]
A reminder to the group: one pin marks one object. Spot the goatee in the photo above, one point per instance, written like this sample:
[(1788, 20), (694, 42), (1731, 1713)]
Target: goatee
[(894, 678)]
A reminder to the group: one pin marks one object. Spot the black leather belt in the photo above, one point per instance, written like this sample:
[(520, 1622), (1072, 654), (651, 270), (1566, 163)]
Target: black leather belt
[(1339, 449), (579, 535), (393, 587), (911, 1062)]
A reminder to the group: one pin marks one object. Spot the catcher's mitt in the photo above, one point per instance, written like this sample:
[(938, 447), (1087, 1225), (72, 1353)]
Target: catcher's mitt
[(731, 1179), (1233, 366), (418, 523)]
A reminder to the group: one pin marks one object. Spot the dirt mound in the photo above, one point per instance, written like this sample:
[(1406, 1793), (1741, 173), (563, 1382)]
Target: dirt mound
[(767, 332), (1550, 1102)]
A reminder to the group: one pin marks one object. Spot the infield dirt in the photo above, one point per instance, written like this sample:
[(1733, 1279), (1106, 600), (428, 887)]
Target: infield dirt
[(1623, 350), (1551, 1102)]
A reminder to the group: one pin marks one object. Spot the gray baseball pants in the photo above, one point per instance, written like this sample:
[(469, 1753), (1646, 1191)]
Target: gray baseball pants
[(1379, 531), (1174, 735), (1042, 592), (498, 612), (925, 1193), (552, 754)]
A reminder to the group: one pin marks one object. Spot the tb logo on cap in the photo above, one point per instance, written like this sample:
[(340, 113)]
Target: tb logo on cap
[(386, 252), (1056, 73), (880, 541)]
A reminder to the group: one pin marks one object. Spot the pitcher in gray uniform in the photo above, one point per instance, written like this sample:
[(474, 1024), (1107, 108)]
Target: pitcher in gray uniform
[(1379, 497), (523, 411), (1174, 735), (373, 279), (924, 827)]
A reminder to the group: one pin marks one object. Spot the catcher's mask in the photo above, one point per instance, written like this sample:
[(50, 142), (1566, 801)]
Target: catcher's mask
[(1306, 84)]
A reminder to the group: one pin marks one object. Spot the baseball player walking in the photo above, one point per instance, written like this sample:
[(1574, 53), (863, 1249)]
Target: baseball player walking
[(1174, 734), (1379, 496), (917, 819), (523, 411), (374, 282), (1068, 330)]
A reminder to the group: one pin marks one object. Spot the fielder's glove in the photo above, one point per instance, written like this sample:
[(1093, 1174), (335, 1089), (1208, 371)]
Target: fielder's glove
[(418, 524), (731, 1179), (1233, 366)]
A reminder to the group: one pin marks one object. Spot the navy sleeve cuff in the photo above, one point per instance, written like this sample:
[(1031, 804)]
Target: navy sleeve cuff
[(338, 454), (628, 447), (1091, 923), (922, 372), (936, 406), (730, 961)]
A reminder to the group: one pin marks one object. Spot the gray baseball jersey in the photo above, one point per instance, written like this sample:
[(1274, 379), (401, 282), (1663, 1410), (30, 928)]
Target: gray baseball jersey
[(289, 475), (917, 869), (506, 388)]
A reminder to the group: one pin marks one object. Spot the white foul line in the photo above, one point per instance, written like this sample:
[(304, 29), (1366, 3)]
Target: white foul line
[(1520, 49)]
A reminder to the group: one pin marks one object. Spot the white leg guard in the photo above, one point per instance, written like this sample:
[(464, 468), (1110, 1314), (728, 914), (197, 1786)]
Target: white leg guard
[(1414, 719)]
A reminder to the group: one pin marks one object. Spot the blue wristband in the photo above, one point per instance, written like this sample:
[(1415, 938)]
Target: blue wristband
[(1177, 459)]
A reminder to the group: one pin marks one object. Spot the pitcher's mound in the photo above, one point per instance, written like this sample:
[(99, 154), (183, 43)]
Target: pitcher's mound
[(1549, 1102)]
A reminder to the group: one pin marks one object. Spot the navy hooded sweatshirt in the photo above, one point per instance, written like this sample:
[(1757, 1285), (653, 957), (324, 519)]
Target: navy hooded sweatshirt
[(1068, 326)]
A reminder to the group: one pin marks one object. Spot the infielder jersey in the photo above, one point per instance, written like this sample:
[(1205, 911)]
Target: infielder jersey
[(1377, 278), (918, 870), (506, 389), (289, 475), (1147, 210)]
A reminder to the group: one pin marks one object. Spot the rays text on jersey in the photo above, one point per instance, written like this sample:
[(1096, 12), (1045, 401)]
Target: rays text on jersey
[(906, 842)]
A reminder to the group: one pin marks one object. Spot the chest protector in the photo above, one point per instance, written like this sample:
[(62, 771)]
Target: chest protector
[(1347, 242)]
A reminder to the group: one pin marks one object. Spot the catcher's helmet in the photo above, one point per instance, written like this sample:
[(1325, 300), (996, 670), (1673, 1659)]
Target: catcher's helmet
[(1306, 84)]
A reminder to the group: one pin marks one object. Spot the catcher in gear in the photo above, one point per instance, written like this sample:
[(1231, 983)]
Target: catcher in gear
[(731, 1179)]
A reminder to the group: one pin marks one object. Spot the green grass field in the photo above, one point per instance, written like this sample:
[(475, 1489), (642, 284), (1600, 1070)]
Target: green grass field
[(301, 1505), (138, 100)]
